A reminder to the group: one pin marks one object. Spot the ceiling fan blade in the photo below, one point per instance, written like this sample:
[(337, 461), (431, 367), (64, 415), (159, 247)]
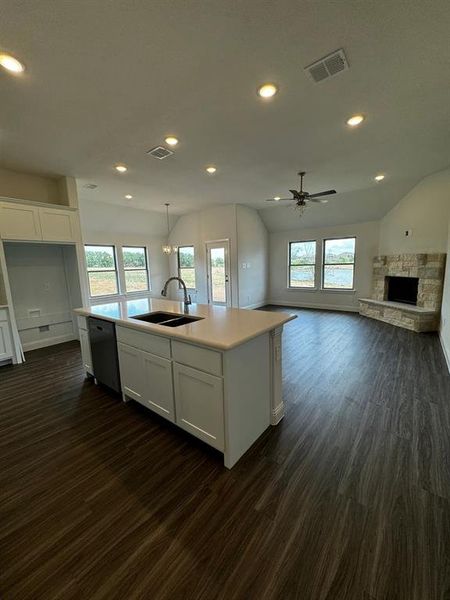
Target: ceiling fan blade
[(296, 194), (319, 200), (279, 200), (327, 193)]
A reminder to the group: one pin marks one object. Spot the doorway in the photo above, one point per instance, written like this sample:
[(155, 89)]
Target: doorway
[(218, 272)]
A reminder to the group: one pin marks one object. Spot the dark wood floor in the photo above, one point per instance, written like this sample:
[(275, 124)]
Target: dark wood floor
[(347, 499)]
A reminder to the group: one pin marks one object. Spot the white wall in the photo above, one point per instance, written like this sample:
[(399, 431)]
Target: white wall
[(103, 223), (38, 188), (425, 210), (195, 229), (367, 236), (253, 257)]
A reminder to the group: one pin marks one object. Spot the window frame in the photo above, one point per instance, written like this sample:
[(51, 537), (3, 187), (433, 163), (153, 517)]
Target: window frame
[(324, 264), (125, 269), (179, 268), (115, 270), (302, 288)]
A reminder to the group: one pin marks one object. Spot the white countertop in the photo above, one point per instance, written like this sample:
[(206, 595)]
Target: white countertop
[(222, 328)]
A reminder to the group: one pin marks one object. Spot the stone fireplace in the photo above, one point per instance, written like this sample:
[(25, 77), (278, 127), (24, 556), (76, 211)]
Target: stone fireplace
[(407, 291)]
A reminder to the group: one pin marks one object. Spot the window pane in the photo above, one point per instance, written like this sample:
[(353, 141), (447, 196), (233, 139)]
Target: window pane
[(340, 251), (338, 276), (134, 258), (136, 281), (103, 283), (303, 253), (100, 257), (302, 276), (186, 256), (188, 276)]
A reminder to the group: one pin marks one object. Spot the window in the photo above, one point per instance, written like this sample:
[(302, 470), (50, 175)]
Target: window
[(302, 264), (102, 270), (135, 268), (339, 264), (186, 265)]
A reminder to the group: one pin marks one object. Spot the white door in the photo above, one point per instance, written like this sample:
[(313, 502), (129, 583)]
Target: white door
[(199, 404), (131, 376), (218, 273), (158, 385)]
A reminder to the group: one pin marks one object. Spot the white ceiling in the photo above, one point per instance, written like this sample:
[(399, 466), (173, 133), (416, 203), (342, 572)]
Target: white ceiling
[(106, 81)]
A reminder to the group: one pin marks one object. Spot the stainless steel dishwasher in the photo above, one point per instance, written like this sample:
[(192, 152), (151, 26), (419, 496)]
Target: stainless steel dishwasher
[(105, 362)]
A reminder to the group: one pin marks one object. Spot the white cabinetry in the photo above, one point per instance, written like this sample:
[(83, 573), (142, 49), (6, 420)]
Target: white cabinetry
[(6, 349), (29, 222), (85, 345), (19, 222), (147, 378), (199, 404), (59, 225), (86, 351)]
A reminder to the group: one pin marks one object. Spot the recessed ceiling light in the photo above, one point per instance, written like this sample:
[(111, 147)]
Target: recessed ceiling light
[(355, 120), (276, 198), (171, 140), (11, 64), (379, 177), (211, 170), (267, 90), (128, 196), (121, 168)]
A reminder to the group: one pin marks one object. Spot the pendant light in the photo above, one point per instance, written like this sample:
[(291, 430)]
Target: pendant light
[(167, 248)]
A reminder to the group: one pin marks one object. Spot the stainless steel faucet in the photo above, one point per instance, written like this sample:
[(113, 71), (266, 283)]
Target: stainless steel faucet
[(187, 297)]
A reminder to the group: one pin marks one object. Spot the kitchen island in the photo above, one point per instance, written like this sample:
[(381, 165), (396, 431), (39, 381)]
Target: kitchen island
[(217, 376)]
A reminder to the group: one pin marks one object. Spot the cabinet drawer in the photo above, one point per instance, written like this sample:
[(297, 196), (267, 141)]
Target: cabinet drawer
[(3, 314), (82, 322), (144, 341), (199, 358)]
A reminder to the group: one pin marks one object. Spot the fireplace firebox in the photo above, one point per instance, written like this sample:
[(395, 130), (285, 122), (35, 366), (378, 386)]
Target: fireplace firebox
[(402, 289)]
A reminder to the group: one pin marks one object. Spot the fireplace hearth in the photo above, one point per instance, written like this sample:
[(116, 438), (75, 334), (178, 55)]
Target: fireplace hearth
[(402, 289)]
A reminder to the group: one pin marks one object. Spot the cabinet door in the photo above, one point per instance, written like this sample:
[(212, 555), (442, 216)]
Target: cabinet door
[(58, 225), (86, 351), (19, 222), (6, 350), (199, 404), (131, 376), (158, 386)]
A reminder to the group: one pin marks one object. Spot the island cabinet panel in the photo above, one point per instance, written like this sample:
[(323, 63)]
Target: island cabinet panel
[(199, 358), (85, 346), (142, 340), (158, 385), (19, 222), (131, 372), (199, 404)]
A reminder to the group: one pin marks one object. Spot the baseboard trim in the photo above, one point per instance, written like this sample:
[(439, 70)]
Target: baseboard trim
[(59, 339), (257, 305), (316, 306), (277, 414), (444, 350)]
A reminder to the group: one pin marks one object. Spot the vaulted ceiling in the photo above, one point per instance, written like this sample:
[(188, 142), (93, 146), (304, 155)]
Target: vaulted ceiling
[(106, 81)]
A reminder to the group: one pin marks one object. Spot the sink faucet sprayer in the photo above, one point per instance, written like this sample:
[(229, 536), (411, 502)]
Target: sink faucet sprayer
[(187, 297)]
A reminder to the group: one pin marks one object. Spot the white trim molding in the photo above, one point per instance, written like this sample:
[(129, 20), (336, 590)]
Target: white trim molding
[(445, 351)]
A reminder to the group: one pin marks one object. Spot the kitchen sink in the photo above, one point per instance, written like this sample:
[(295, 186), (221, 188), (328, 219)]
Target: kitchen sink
[(167, 319)]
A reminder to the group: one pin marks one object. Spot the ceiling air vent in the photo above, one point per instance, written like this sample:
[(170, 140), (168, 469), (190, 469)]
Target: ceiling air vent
[(160, 152), (329, 65)]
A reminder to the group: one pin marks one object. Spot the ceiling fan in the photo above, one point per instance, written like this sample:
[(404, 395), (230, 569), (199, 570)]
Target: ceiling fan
[(301, 197)]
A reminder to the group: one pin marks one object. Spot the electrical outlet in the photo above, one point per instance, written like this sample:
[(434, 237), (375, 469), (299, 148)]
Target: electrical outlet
[(46, 286), (408, 232)]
